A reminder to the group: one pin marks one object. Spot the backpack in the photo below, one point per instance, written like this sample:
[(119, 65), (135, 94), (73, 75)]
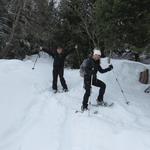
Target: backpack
[(82, 68)]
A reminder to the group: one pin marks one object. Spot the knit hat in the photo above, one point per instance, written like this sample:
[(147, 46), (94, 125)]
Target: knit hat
[(96, 52)]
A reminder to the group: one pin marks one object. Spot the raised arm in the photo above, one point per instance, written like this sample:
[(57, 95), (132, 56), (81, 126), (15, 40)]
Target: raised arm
[(49, 51)]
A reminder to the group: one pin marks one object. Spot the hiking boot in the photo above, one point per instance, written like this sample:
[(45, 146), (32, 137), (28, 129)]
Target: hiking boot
[(55, 91), (83, 108), (101, 103), (65, 90)]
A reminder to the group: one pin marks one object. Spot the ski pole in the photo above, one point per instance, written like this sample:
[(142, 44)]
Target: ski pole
[(90, 96), (127, 102), (35, 62), (109, 60)]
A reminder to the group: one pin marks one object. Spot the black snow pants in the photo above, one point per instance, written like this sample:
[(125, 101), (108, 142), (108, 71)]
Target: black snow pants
[(59, 72), (87, 86)]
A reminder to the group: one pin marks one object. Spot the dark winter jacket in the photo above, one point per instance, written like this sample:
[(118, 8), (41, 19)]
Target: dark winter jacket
[(92, 67), (58, 58)]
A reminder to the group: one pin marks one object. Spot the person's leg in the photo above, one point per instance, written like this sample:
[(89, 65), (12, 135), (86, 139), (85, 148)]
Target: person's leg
[(87, 86), (102, 85), (62, 80), (55, 76)]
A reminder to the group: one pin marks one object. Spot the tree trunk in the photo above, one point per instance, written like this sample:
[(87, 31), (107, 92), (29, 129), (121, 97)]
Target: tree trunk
[(6, 48)]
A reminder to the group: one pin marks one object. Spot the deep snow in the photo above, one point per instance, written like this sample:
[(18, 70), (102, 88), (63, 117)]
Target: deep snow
[(33, 118)]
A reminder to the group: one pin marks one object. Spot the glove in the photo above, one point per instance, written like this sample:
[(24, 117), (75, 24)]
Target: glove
[(110, 67), (41, 48)]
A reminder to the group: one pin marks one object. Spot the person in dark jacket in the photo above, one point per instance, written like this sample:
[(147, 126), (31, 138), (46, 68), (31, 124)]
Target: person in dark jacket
[(58, 67), (92, 66)]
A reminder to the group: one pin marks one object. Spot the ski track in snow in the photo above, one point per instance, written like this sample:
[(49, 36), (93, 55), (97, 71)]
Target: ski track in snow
[(64, 134), (31, 116), (70, 131)]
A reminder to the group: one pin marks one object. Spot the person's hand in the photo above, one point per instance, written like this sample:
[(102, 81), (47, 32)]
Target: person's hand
[(110, 67), (41, 48)]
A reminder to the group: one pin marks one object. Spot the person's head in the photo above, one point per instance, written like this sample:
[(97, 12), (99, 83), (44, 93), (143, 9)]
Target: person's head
[(59, 50), (96, 54)]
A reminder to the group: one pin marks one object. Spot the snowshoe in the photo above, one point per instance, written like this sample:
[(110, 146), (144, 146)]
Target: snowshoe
[(65, 90)]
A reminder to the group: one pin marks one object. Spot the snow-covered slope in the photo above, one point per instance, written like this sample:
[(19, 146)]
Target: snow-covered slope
[(33, 118)]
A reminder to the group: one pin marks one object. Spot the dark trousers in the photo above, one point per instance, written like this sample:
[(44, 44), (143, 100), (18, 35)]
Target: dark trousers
[(58, 72), (87, 86)]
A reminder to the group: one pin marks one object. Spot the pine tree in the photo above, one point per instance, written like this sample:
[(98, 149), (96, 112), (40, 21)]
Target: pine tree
[(4, 23), (28, 26), (123, 22)]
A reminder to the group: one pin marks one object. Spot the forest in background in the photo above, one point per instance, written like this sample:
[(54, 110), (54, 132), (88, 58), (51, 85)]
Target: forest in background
[(119, 26)]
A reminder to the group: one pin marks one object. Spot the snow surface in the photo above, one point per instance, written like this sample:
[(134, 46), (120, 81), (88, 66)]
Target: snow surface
[(34, 118)]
